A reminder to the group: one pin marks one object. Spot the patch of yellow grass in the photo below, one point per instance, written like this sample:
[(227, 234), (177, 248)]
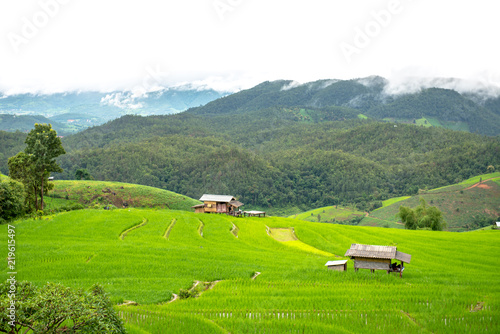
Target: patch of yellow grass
[(288, 237)]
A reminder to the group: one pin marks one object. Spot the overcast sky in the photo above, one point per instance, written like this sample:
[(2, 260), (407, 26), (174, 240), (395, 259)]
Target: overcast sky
[(60, 45)]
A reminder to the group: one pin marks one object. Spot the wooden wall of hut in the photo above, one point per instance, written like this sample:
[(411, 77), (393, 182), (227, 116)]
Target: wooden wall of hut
[(369, 263), (210, 206)]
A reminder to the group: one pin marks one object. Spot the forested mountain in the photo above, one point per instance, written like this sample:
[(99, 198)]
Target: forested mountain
[(305, 164), (24, 123), (281, 144)]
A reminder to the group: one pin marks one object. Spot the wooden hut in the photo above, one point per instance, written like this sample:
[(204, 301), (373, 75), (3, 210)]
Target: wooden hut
[(218, 204), (378, 258), (340, 265)]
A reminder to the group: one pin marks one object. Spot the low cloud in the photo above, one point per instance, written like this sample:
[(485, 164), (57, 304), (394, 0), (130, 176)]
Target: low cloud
[(409, 85), (122, 100), (291, 85)]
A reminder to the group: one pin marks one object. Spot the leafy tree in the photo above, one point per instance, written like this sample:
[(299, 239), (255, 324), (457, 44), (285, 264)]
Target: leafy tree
[(83, 174), (422, 216), (11, 200), (408, 217), (34, 165), (54, 308)]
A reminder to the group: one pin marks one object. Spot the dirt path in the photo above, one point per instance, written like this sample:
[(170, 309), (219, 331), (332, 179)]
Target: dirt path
[(235, 230), (479, 185), (173, 299)]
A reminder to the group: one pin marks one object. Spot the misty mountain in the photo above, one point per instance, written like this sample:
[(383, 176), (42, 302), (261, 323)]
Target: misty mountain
[(369, 97)]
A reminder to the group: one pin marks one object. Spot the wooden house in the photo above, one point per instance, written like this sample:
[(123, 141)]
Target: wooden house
[(218, 204), (340, 265), (378, 258)]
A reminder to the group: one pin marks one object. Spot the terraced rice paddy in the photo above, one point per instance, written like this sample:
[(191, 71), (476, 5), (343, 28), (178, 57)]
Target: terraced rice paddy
[(147, 256)]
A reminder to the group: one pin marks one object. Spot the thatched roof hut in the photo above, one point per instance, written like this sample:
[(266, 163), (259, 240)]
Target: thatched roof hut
[(376, 257)]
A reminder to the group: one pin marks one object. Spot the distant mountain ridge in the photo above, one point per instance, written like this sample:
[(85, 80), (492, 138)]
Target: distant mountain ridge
[(76, 111)]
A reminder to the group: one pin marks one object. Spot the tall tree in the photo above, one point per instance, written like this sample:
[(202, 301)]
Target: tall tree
[(34, 165), (43, 145)]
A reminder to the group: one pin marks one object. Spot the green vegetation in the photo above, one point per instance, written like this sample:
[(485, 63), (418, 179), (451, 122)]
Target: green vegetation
[(294, 291)]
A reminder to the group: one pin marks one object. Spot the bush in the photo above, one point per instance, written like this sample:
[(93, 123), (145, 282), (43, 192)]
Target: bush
[(11, 200), (184, 293), (54, 308)]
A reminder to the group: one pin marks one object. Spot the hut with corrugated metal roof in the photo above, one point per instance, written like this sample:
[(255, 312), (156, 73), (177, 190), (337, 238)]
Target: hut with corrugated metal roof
[(218, 204), (376, 257), (340, 265)]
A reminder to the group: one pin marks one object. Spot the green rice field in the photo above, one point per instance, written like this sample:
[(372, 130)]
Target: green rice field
[(262, 275), (329, 214)]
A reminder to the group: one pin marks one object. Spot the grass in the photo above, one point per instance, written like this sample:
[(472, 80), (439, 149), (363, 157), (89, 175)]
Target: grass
[(449, 286), (393, 200)]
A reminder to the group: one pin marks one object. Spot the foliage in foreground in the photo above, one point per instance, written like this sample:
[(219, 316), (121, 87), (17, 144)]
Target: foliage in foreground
[(55, 308)]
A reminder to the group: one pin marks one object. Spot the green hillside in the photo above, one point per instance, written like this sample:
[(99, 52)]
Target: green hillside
[(249, 282), (100, 194), (465, 206)]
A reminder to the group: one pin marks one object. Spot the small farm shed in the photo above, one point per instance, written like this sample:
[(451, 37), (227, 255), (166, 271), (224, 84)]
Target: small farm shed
[(218, 204), (254, 213), (340, 265), (375, 257)]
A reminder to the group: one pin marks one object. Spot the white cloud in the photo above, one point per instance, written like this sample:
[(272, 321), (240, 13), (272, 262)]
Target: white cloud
[(291, 85), (109, 45), (122, 100)]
